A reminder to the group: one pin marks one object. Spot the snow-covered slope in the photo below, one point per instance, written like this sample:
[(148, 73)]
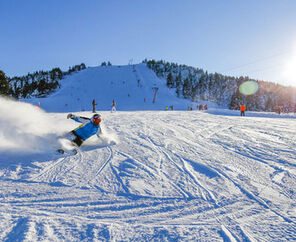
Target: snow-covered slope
[(153, 176), (106, 83)]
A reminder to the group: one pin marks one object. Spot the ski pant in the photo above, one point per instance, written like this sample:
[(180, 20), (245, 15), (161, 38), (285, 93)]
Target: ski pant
[(77, 139), (242, 113)]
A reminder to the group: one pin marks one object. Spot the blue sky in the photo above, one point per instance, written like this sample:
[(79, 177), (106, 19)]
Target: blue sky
[(232, 37)]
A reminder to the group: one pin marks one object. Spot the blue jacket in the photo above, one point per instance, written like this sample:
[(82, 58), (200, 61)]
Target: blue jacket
[(87, 129)]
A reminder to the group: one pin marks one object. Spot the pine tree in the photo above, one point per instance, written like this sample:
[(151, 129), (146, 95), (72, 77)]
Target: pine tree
[(56, 73), (4, 85), (178, 84), (82, 66), (187, 88), (222, 89), (170, 82), (26, 89)]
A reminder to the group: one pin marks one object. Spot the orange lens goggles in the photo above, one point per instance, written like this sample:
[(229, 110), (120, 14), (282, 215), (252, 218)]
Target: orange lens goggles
[(97, 121)]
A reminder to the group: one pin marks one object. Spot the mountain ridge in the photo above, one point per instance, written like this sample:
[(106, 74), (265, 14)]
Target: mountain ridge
[(132, 87)]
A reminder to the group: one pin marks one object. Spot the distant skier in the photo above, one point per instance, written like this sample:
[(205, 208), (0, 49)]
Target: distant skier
[(113, 106), (206, 107), (278, 109), (88, 128), (242, 109), (94, 104)]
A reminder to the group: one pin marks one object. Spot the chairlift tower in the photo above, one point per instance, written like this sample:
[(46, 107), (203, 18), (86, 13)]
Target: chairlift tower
[(155, 91)]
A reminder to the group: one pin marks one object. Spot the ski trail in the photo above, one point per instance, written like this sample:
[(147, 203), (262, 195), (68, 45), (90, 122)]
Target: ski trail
[(107, 161), (209, 197), (49, 168), (160, 173), (59, 171), (227, 235), (124, 187), (220, 127), (251, 196), (143, 166), (161, 157), (184, 193), (18, 232)]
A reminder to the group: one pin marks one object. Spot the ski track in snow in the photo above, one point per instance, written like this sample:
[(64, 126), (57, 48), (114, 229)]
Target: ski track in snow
[(173, 176)]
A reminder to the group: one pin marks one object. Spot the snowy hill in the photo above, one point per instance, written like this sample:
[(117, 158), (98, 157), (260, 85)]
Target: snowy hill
[(132, 87), (152, 176)]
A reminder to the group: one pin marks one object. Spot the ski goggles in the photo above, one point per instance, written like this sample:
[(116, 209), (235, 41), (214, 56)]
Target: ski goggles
[(97, 121)]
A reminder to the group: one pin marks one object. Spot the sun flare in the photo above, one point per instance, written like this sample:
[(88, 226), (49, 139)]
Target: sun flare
[(289, 70)]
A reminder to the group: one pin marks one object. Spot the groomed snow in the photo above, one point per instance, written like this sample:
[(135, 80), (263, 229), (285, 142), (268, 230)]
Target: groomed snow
[(154, 175)]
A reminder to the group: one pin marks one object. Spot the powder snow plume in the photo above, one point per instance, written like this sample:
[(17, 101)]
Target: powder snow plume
[(26, 128)]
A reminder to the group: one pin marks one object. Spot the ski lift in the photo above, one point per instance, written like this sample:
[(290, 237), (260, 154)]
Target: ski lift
[(155, 91)]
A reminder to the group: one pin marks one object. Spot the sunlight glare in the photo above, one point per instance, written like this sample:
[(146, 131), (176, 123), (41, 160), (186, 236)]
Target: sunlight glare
[(289, 70)]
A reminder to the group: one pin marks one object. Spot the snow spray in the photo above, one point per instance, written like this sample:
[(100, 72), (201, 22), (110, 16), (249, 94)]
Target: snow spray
[(25, 128)]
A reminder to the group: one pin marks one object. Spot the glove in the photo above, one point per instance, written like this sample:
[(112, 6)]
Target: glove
[(70, 115)]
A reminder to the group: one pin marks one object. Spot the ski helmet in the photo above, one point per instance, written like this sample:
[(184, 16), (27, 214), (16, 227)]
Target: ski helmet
[(96, 119)]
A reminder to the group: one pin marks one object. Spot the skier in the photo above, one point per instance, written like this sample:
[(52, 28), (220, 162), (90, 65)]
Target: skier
[(113, 106), (206, 107), (94, 104), (242, 109), (279, 109), (88, 128)]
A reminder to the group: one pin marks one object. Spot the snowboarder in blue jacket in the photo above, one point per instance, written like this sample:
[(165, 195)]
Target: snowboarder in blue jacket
[(88, 128)]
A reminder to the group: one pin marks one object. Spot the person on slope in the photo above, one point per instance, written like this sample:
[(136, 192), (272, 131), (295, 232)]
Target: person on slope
[(88, 128), (94, 104), (242, 109), (113, 106)]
